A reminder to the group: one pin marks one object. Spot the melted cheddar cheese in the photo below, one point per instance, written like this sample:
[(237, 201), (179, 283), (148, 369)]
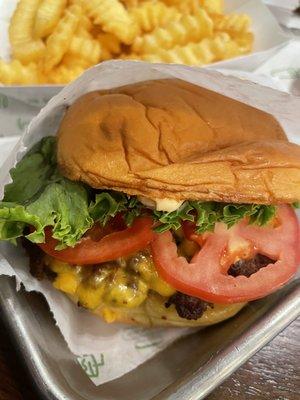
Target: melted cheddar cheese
[(122, 283)]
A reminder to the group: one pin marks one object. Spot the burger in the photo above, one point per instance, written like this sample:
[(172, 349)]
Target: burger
[(159, 203)]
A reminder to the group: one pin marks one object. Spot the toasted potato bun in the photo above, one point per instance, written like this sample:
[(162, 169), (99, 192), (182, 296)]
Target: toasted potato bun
[(171, 139), (152, 312)]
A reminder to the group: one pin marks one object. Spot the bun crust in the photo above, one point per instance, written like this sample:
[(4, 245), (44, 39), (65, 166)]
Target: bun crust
[(153, 313), (172, 139)]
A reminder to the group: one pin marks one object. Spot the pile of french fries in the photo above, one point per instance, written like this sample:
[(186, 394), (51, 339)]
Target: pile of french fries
[(54, 41)]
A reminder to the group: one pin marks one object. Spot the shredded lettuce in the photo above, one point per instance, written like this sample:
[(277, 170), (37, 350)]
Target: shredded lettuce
[(40, 196)]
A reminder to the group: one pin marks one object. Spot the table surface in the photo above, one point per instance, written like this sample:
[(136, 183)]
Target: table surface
[(273, 373)]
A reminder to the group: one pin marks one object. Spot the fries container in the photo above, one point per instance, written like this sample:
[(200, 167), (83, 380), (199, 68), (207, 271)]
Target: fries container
[(163, 367)]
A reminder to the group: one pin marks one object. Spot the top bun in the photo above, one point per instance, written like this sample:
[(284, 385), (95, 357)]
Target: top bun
[(171, 139)]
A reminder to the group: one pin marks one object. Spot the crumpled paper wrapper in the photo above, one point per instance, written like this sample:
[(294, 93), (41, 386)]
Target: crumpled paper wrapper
[(284, 12), (284, 67), (105, 351)]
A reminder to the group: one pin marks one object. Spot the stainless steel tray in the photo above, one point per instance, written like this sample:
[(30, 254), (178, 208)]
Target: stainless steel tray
[(189, 369)]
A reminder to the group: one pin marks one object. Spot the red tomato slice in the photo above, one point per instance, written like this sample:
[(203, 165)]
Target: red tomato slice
[(97, 232), (204, 276), (110, 247)]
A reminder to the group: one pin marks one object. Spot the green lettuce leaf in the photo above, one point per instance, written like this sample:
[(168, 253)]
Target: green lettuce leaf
[(107, 205), (206, 214), (14, 218), (257, 213), (172, 220), (39, 196), (262, 215), (134, 209), (64, 206), (33, 172)]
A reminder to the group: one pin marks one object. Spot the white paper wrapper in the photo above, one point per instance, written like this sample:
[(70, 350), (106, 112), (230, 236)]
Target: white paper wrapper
[(269, 37), (284, 12), (19, 105), (6, 146), (109, 351), (284, 67)]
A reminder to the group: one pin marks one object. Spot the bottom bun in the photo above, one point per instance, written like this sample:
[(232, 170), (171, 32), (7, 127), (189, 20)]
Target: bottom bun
[(154, 313)]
